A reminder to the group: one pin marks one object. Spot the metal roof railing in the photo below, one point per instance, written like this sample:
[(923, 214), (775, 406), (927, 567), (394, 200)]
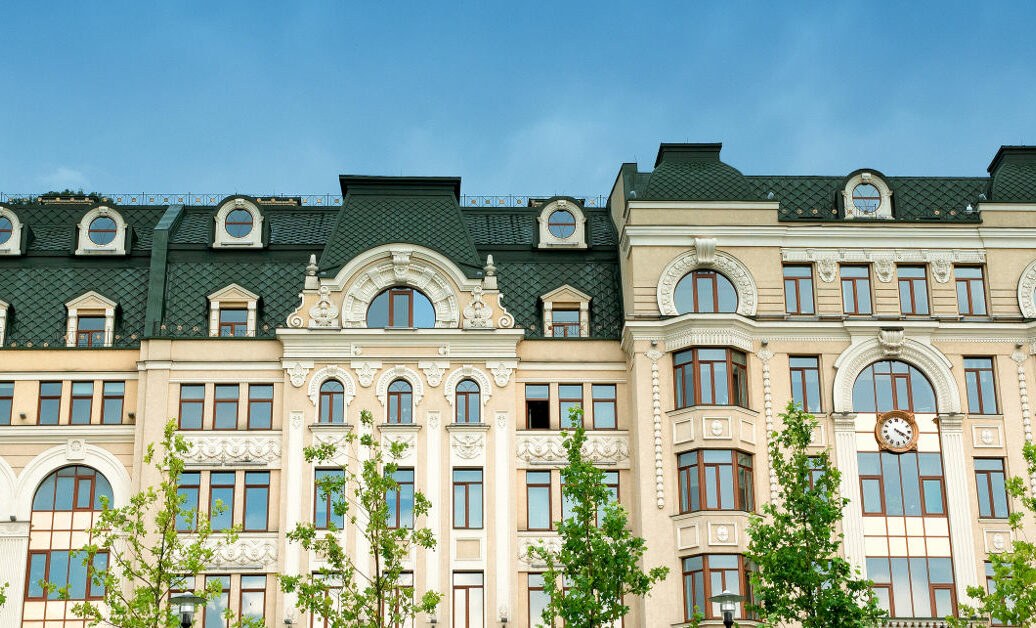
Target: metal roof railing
[(306, 200)]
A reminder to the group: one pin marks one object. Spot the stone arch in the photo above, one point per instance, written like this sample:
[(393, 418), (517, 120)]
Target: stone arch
[(1026, 290), (704, 255), (53, 459), (467, 371), (926, 358), (399, 372), (332, 372), (8, 488), (366, 275)]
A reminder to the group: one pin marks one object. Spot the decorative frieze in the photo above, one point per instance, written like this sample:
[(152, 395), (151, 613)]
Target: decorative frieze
[(433, 371), (656, 422), (399, 372), (468, 446), (232, 448), (884, 260), (612, 449), (550, 542)]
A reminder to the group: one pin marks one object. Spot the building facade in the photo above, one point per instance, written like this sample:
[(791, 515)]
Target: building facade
[(682, 314)]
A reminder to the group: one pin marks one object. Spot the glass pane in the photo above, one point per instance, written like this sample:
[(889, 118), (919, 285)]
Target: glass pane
[(58, 573), (999, 495), (80, 414), (812, 391), (911, 486), (901, 588), (871, 496), (878, 570), (919, 582), (76, 578), (100, 564), (683, 296), (711, 498), (253, 604), (930, 464), (706, 298), (459, 505), (893, 492), (539, 507), (537, 391), (933, 497), (943, 602), (848, 300), (726, 294), (377, 313), (222, 496), (726, 484), (37, 572), (940, 570), (424, 312), (790, 295), (863, 392), (400, 309)]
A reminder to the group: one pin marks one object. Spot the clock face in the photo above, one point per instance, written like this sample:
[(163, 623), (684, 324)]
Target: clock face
[(897, 432)]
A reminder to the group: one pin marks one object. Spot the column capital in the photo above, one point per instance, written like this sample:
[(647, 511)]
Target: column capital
[(844, 421), (952, 422)]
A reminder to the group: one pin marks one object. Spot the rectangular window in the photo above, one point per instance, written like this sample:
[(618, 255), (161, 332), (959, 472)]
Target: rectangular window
[(225, 415), (188, 488), (260, 406), (253, 597), (62, 569), (992, 492), (468, 600), (707, 575), (82, 403), (564, 323), (112, 396), (710, 377), (90, 331), (6, 402), (805, 382), (257, 501), (538, 601), (192, 405), (537, 407), (991, 588), (856, 289), (50, 403), (611, 482), (215, 608), (604, 406), (908, 484), (913, 587), (913, 290), (467, 498), (570, 397), (971, 293), (708, 480), (221, 499), (537, 495), (233, 322), (401, 501), (798, 289), (324, 515), (978, 374)]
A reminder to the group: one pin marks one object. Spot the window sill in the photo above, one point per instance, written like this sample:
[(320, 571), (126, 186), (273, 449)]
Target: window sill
[(685, 516), (676, 412), (330, 427), (467, 427), (986, 416), (399, 427), (994, 520)]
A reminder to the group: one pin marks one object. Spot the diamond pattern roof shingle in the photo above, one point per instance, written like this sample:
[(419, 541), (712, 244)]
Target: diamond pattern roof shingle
[(698, 180), (1014, 181)]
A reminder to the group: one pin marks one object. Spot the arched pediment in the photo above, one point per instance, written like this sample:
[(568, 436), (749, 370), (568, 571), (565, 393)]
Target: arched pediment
[(467, 371), (399, 372), (704, 255), (332, 372), (929, 360), (91, 456)]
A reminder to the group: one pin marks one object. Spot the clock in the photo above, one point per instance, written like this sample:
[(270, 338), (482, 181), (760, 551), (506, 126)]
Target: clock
[(896, 431)]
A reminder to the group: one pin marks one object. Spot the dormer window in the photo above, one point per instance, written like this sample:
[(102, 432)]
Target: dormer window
[(566, 313), (238, 225), (102, 231), (866, 195), (91, 321), (232, 312), (10, 232), (562, 225), (90, 331), (564, 323), (233, 322), (866, 198), (401, 308)]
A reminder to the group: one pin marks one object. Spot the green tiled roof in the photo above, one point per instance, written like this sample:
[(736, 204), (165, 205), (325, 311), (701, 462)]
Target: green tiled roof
[(517, 226), (698, 180), (1013, 175), (53, 227)]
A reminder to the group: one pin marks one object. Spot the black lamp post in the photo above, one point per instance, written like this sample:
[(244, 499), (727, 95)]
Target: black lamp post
[(727, 604), (186, 603)]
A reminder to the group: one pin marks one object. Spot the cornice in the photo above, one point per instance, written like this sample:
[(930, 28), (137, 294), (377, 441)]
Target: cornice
[(455, 343), (64, 433)]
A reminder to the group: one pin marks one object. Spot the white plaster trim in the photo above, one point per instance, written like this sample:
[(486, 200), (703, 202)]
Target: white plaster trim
[(253, 239), (54, 458), (233, 294), (13, 246), (564, 295), (865, 177), (8, 490), (87, 246), (704, 255), (90, 302), (1026, 290), (332, 372), (485, 386), (575, 241), (3, 320), (399, 372), (929, 360)]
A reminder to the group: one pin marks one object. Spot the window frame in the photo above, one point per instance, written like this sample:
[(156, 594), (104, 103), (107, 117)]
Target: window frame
[(612, 401), (911, 284), (988, 482), (41, 398), (568, 329), (744, 584), (332, 400), (796, 282), (81, 398), (233, 497), (972, 373), (468, 399), (921, 478), (233, 326), (460, 621), (254, 401), (680, 367), (89, 337), (397, 396), (200, 401), (683, 473), (89, 586), (709, 275), (242, 590), (248, 488), (528, 409), (217, 401), (106, 398), (397, 510), (552, 222), (853, 285), (802, 370), (529, 486), (7, 399), (319, 495), (932, 587), (579, 403), (189, 526), (467, 487), (970, 289)]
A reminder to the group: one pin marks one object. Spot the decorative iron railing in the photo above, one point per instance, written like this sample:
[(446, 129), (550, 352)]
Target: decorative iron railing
[(305, 200)]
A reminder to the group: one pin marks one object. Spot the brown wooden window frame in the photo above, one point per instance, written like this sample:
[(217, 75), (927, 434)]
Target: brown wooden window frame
[(852, 284), (564, 329), (538, 400), (254, 401), (549, 485), (251, 589), (465, 400), (800, 394), (932, 587), (327, 498), (7, 399), (972, 375), (744, 584), (736, 395), (985, 477), (468, 488), (467, 597), (90, 337), (235, 401), (709, 276), (397, 397), (796, 286), (232, 327), (972, 286), (331, 402), (610, 400), (107, 398), (397, 510), (191, 400), (72, 560), (256, 485), (49, 397), (77, 399), (739, 494), (913, 285), (921, 478), (233, 496), (562, 400)]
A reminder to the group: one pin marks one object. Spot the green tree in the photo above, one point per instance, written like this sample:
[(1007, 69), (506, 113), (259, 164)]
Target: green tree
[(599, 559), (1011, 600), (138, 555), (343, 593), (796, 545), (3, 594)]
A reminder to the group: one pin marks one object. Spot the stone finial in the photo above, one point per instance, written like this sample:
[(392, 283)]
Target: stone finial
[(489, 281), (311, 267), (490, 268)]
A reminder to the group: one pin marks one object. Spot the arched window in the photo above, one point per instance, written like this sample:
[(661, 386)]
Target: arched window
[(76, 490), (332, 402), (469, 407), (400, 402), (400, 307), (704, 291), (893, 385)]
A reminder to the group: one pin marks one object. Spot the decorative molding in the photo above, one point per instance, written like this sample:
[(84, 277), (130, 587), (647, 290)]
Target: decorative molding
[(566, 295), (765, 355), (468, 445), (399, 372), (86, 246), (332, 372), (297, 373), (732, 268), (722, 533), (548, 448), (233, 294), (884, 267), (433, 371), (229, 449), (478, 314), (13, 245), (925, 357), (467, 372), (941, 261), (501, 420), (335, 435), (257, 552), (656, 421), (506, 321), (90, 303), (997, 540), (4, 307), (324, 314), (891, 341), (434, 419), (365, 371), (867, 177), (1019, 357), (551, 542), (75, 449), (696, 337), (548, 240), (251, 240), (501, 371), (1027, 291), (986, 436)]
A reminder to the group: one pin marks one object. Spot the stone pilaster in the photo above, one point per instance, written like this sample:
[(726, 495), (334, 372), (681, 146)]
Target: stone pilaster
[(433, 557), (14, 547), (503, 521), (958, 506), (847, 463)]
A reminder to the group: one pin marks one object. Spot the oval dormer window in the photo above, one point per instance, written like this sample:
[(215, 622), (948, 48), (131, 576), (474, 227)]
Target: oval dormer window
[(562, 224), (239, 223), (866, 198), (102, 231)]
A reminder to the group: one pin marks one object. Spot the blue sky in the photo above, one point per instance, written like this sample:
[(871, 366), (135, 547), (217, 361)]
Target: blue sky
[(518, 97)]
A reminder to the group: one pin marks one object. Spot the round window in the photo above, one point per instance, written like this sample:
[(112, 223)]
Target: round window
[(239, 223), (102, 231), (6, 228), (561, 224), (866, 198)]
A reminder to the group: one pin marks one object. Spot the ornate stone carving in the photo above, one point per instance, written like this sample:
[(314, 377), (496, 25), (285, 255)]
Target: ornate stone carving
[(501, 374), (656, 422), (246, 552), (942, 266), (407, 440), (295, 319), (891, 341), (1027, 291), (928, 359), (732, 268), (324, 314), (501, 420), (296, 420), (433, 372), (551, 543), (478, 314), (401, 266), (365, 373), (433, 420), (706, 248), (467, 372), (399, 372), (765, 355), (468, 446), (884, 267), (332, 372), (219, 449), (827, 267), (506, 321), (548, 448), (297, 373), (75, 449)]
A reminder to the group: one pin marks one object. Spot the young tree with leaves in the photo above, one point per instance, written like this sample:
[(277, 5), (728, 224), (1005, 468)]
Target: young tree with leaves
[(795, 544), (3, 594), (143, 556), (598, 565), (366, 591), (1011, 600)]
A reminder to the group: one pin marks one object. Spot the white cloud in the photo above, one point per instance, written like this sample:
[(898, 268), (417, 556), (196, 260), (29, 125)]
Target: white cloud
[(64, 178)]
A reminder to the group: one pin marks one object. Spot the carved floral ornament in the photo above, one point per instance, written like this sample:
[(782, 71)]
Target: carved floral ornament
[(1027, 291), (884, 261), (399, 372), (548, 448), (219, 449), (332, 372), (704, 255), (467, 372)]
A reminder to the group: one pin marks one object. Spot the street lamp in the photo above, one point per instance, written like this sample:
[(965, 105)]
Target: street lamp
[(727, 604), (185, 603)]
